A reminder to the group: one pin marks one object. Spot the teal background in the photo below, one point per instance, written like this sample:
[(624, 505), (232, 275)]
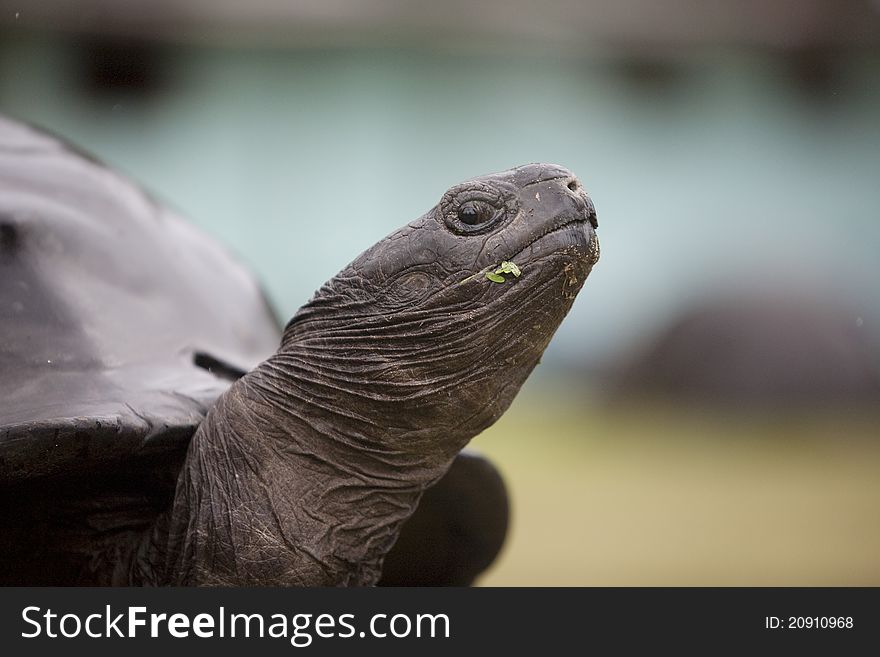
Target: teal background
[(725, 174)]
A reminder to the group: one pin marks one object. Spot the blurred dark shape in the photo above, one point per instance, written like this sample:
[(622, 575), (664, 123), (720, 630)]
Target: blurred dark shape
[(759, 351), (114, 65), (643, 24), (652, 76), (456, 532), (817, 73)]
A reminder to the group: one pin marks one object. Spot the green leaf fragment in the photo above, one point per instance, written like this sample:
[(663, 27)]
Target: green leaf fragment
[(507, 267)]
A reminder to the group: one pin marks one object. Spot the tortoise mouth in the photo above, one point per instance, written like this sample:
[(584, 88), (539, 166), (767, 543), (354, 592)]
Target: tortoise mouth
[(581, 238)]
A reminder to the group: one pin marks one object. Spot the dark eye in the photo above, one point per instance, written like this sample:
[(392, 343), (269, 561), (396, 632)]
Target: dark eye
[(474, 213), (476, 207)]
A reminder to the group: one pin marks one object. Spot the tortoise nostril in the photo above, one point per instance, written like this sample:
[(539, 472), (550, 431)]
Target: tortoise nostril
[(574, 185)]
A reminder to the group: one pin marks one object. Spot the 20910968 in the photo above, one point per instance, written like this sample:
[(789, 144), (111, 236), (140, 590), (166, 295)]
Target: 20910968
[(809, 622)]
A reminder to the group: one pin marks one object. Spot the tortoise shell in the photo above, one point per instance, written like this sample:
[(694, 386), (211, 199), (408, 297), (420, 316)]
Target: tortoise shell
[(120, 323)]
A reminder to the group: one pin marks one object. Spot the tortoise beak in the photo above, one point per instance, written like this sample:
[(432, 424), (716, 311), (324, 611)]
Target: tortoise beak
[(591, 214)]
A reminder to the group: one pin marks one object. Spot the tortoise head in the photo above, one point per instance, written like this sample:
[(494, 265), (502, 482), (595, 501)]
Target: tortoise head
[(427, 330)]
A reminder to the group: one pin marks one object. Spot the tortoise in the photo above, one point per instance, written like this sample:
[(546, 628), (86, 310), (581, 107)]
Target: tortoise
[(158, 426)]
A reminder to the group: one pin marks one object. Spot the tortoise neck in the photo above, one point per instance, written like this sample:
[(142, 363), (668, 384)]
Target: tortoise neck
[(278, 489), (382, 411)]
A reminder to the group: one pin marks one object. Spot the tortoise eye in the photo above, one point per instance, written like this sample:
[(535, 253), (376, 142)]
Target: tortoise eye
[(475, 213), (476, 208)]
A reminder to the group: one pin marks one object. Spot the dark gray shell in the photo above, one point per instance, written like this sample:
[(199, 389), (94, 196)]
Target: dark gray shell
[(120, 324)]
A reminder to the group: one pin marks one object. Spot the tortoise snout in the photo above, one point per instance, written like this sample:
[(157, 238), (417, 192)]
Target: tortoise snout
[(591, 213), (574, 186)]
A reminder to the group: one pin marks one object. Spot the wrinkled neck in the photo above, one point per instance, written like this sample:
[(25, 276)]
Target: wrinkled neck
[(415, 386), (335, 416), (287, 483)]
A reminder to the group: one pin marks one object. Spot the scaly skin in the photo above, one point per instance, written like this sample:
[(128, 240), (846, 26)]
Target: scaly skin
[(306, 468)]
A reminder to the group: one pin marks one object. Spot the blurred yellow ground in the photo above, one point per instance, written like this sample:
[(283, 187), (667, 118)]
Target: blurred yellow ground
[(654, 496)]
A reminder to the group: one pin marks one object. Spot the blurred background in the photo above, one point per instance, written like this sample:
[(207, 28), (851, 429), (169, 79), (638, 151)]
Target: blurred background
[(709, 413)]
